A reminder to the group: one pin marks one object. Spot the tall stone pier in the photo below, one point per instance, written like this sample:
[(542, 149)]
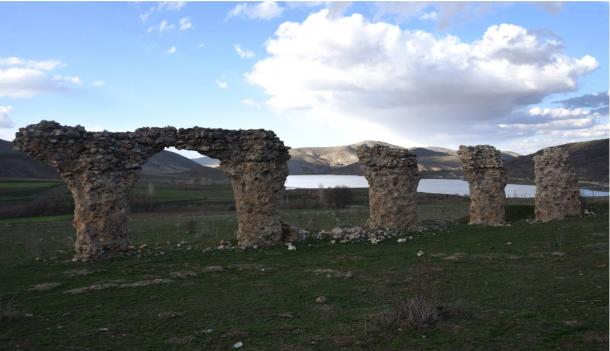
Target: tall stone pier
[(255, 160), (484, 171), (393, 178), (557, 191), (99, 168)]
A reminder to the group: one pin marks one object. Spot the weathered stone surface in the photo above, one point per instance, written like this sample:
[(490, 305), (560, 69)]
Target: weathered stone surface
[(100, 168), (484, 171), (393, 178), (557, 191), (256, 162)]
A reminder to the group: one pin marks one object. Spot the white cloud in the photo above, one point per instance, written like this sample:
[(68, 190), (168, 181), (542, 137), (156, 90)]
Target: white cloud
[(163, 26), (430, 16), (20, 78), (264, 10), (222, 83), (252, 103), (171, 5), (541, 127), (558, 112), (68, 79), (146, 15), (185, 24), (201, 45), (161, 7), (171, 50), (5, 118), (98, 83), (46, 65), (422, 86), (243, 53), (445, 13)]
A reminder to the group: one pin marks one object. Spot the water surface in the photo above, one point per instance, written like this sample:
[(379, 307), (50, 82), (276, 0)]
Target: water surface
[(436, 186)]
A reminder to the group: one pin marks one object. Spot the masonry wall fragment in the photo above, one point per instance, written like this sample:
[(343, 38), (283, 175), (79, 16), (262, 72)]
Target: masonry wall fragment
[(557, 190), (99, 168), (393, 179), (484, 170)]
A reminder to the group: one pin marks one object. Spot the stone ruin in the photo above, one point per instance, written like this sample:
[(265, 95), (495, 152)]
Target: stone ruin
[(100, 168), (484, 171), (255, 160), (393, 178), (557, 191)]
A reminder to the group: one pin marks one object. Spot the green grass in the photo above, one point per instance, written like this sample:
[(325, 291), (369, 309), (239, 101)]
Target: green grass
[(522, 287)]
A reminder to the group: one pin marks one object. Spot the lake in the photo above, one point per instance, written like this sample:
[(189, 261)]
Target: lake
[(436, 186)]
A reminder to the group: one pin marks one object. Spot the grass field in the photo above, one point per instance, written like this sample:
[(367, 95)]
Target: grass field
[(520, 287)]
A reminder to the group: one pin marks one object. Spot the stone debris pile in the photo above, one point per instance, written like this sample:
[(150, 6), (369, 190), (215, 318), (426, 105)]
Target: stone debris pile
[(359, 234), (393, 178), (484, 170), (557, 191)]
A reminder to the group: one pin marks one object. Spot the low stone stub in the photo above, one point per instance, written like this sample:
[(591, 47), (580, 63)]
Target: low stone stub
[(393, 178), (557, 190), (484, 170), (99, 168)]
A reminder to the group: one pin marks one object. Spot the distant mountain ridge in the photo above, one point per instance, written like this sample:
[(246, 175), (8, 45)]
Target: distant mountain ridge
[(590, 159), (344, 160)]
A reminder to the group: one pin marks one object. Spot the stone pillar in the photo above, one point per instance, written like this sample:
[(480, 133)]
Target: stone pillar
[(99, 168), (484, 171), (258, 188), (393, 178), (557, 191), (255, 160)]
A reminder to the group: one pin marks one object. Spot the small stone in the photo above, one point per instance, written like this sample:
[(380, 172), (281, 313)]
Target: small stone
[(420, 253), (143, 246), (238, 345), (291, 247), (321, 300)]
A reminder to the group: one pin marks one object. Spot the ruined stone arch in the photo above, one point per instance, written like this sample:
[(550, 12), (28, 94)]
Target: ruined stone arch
[(101, 168)]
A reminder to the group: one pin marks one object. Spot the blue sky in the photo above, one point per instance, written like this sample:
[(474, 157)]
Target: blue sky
[(318, 74)]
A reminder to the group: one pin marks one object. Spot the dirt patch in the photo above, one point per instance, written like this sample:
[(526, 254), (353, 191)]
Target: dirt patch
[(458, 256), (80, 272), (182, 274), (44, 286), (209, 269), (180, 340), (102, 286), (333, 273)]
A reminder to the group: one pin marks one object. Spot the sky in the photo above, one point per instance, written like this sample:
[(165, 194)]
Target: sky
[(520, 76)]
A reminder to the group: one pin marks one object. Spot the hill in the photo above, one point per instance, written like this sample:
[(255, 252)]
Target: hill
[(15, 164), (206, 161), (165, 166), (590, 158), (434, 162)]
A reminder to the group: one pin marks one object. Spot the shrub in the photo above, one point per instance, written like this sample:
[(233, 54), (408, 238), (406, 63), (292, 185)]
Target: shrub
[(337, 197)]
